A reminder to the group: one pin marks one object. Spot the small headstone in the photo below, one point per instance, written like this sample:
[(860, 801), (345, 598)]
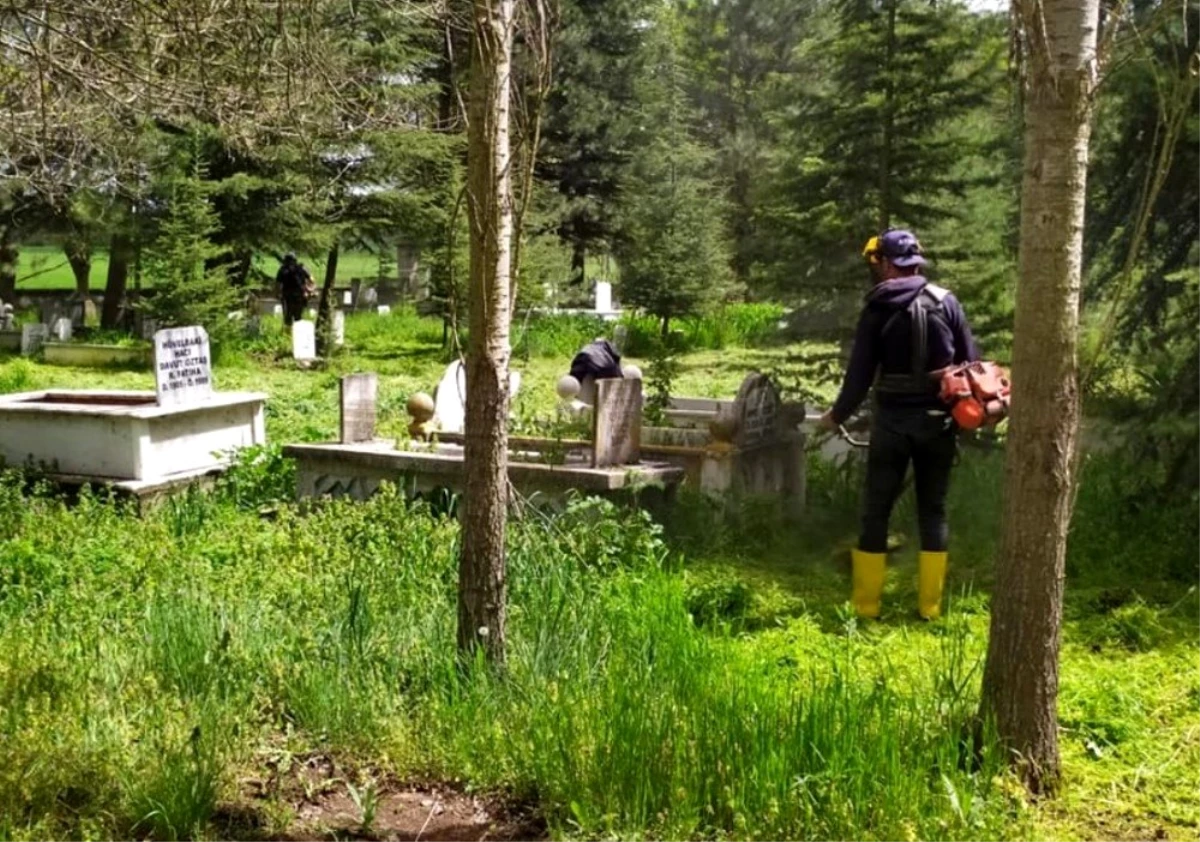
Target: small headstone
[(149, 328), (277, 310), (90, 314), (450, 399), (6, 317), (182, 365), (32, 339), (62, 330), (757, 410), (339, 328), (304, 341), (617, 422), (369, 298), (358, 393), (620, 337), (347, 298), (384, 310), (603, 296)]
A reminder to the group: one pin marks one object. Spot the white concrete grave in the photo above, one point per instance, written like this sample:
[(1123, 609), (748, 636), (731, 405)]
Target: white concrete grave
[(304, 341), (182, 366)]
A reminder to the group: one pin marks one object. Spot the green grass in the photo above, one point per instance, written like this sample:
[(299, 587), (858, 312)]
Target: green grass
[(705, 680)]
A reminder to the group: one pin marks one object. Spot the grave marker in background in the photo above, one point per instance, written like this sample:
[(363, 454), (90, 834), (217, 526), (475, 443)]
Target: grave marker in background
[(32, 339), (62, 330), (304, 341), (182, 366), (358, 393), (339, 328), (617, 422)]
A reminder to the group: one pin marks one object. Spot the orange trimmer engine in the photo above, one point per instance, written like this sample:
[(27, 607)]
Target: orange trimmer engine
[(977, 393)]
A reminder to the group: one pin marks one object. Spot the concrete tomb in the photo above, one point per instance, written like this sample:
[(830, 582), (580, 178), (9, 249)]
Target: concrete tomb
[(139, 442)]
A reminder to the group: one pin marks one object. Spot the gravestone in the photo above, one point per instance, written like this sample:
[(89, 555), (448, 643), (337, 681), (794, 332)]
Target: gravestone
[(358, 393), (6, 317), (182, 366), (620, 337), (62, 330), (347, 298), (757, 410), (383, 310), (603, 296), (339, 328), (32, 339), (450, 399), (304, 341), (149, 328), (617, 422)]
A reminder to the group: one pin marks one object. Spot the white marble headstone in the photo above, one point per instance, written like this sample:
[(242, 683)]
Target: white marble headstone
[(384, 309), (339, 328), (347, 298), (304, 341), (603, 296), (62, 329), (182, 365)]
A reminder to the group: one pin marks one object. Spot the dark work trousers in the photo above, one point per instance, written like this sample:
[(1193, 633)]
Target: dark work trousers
[(293, 308), (898, 436)]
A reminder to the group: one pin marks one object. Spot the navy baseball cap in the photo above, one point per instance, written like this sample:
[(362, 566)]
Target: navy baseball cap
[(899, 246)]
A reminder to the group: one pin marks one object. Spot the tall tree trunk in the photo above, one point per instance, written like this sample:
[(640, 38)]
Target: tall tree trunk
[(481, 588), (324, 328), (889, 122), (9, 254), (578, 263), (1020, 685), (120, 253), (79, 255)]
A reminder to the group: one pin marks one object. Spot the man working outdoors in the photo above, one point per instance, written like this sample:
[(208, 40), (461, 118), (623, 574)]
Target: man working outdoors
[(908, 332), (295, 284)]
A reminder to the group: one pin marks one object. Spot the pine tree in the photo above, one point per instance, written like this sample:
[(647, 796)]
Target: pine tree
[(188, 289), (872, 133), (672, 249), (591, 116)]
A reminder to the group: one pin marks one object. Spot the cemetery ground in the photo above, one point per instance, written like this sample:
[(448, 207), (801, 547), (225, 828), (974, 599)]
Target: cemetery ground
[(231, 665)]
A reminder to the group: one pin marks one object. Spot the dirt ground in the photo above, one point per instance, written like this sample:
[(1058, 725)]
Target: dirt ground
[(299, 798)]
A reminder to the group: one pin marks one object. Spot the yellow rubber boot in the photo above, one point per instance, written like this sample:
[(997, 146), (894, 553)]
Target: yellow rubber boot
[(868, 582), (931, 577)]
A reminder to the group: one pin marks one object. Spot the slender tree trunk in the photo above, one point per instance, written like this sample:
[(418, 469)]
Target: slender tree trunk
[(889, 119), (1020, 685), (79, 255), (9, 254), (578, 263), (120, 253), (324, 328), (481, 588)]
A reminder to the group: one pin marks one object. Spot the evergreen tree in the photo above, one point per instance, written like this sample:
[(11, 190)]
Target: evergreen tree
[(672, 249), (188, 289), (873, 134), (736, 51), (591, 116)]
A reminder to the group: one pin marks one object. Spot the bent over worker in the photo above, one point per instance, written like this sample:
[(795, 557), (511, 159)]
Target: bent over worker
[(908, 331)]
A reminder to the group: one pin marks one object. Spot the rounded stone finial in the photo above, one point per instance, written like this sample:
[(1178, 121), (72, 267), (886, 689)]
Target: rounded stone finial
[(420, 407), (631, 372), (567, 387)]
